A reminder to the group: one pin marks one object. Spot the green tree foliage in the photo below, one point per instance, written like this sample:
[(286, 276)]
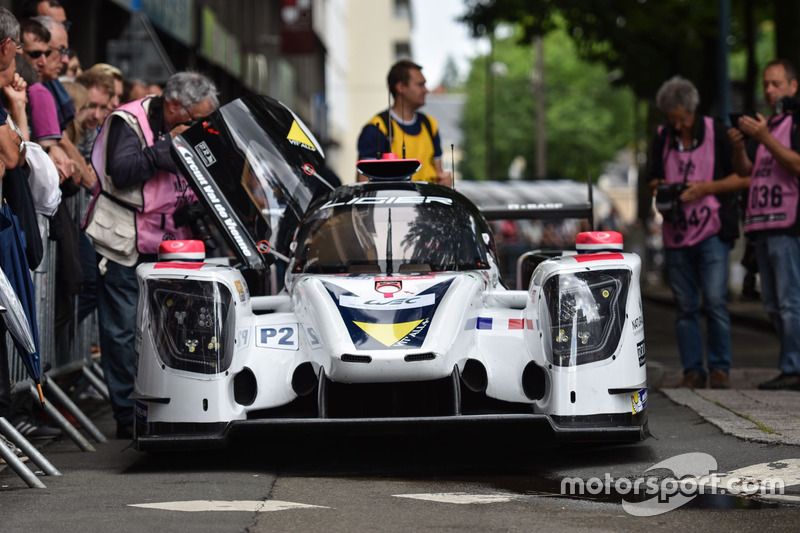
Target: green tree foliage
[(646, 41), (649, 41), (587, 120)]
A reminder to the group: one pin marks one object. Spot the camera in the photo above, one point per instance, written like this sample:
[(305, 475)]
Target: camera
[(787, 104), (668, 200), (193, 215)]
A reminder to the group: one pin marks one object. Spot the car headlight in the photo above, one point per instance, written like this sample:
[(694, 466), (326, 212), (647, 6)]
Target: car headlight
[(191, 323), (586, 312)]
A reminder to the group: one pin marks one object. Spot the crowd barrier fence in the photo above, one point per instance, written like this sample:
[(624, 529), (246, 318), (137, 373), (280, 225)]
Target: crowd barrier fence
[(63, 351)]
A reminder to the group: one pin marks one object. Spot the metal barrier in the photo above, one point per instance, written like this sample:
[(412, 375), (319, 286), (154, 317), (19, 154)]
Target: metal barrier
[(71, 353)]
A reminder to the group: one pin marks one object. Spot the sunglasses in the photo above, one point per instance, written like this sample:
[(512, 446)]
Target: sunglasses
[(36, 54)]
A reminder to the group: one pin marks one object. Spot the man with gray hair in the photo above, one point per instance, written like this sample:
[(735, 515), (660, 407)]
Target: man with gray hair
[(133, 163), (9, 38), (689, 161)]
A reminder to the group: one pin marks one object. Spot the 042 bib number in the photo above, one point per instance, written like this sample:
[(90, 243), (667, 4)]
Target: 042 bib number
[(697, 218)]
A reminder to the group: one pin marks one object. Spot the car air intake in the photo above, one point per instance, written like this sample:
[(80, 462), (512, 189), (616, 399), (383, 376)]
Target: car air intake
[(304, 379), (350, 358), (474, 376), (410, 358), (534, 381), (245, 387)]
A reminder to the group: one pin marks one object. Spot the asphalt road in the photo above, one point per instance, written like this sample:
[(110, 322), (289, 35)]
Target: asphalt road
[(491, 482)]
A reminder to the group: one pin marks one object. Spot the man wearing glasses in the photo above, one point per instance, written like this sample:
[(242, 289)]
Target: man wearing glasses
[(9, 38), (132, 159), (56, 59), (45, 128)]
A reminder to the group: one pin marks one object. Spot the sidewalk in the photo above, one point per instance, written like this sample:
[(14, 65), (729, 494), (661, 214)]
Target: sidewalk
[(742, 411)]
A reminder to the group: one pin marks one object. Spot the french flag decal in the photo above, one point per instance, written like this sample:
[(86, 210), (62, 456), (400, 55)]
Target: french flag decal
[(497, 324)]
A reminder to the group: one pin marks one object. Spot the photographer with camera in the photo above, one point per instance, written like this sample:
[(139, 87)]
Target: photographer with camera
[(133, 214), (771, 158), (690, 160)]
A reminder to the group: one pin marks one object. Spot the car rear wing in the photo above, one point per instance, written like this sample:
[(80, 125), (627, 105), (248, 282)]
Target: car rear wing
[(538, 199)]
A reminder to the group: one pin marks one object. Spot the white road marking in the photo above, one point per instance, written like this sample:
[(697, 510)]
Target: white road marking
[(249, 506), (767, 477), (460, 497)]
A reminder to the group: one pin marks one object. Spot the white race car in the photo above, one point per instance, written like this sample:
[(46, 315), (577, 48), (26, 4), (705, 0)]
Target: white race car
[(369, 305)]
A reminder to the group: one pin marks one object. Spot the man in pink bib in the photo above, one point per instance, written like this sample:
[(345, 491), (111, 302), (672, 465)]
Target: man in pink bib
[(133, 163), (689, 159), (772, 160)]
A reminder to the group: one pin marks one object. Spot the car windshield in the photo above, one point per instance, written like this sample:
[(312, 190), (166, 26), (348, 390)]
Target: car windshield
[(390, 231)]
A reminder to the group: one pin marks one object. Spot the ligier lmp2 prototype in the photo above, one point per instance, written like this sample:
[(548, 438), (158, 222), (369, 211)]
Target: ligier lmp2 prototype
[(391, 314)]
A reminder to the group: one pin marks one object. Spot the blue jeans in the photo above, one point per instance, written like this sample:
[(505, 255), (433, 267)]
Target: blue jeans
[(779, 267), (117, 297), (692, 270)]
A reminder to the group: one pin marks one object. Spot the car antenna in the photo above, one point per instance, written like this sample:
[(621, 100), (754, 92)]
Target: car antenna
[(403, 132), (453, 164), (591, 201)]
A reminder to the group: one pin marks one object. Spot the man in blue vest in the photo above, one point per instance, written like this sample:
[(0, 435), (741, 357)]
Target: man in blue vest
[(414, 135), (772, 160)]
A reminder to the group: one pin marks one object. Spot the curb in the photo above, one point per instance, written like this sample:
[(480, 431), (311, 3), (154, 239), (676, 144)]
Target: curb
[(753, 416)]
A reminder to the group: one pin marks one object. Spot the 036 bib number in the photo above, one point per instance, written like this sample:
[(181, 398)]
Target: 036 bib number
[(765, 196)]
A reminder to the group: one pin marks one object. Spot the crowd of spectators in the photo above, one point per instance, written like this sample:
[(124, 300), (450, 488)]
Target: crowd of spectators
[(51, 110)]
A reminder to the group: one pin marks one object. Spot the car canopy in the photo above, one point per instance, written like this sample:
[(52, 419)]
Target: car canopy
[(390, 228), (256, 167)]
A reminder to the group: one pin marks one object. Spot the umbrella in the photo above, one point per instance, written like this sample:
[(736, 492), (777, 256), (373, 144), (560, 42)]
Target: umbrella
[(17, 295)]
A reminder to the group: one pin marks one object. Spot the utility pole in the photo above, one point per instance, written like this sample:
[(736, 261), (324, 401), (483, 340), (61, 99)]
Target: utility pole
[(538, 89), (490, 109), (723, 77)]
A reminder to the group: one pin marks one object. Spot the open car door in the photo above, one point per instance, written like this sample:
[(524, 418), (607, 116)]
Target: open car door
[(255, 167)]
